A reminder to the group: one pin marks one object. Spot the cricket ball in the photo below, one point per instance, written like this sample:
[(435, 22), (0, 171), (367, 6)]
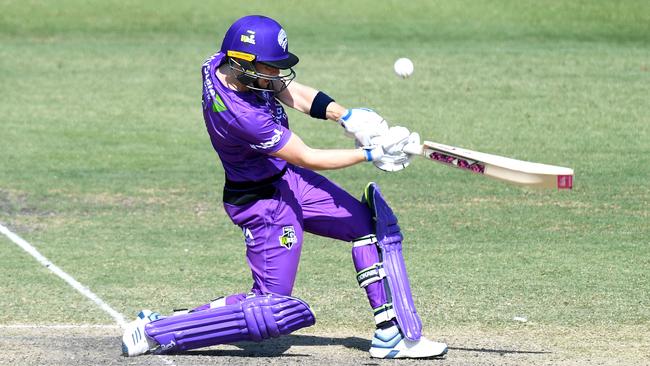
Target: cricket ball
[(403, 67)]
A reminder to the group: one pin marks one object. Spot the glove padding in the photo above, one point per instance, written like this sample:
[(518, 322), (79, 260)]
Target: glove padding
[(363, 124), (387, 151), (395, 158)]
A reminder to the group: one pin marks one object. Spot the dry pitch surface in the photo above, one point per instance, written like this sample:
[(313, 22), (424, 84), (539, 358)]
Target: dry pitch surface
[(88, 345)]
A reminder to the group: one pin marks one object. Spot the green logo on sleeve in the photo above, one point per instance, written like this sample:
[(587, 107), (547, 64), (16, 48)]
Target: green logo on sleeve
[(217, 104)]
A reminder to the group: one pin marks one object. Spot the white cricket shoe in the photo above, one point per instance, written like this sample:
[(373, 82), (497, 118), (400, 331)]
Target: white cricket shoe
[(390, 343), (135, 341)]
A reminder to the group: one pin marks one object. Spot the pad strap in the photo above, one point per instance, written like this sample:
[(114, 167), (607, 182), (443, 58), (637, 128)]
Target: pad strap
[(365, 240), (371, 274), (384, 313)]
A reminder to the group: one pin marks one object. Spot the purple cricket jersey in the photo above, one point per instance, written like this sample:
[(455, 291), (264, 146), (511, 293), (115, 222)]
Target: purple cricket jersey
[(244, 127)]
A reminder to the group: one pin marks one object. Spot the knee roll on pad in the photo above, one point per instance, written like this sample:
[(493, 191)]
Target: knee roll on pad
[(390, 269), (253, 319)]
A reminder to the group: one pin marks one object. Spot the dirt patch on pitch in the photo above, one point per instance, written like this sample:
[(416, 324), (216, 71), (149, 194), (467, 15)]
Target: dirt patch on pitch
[(17, 214), (101, 346)]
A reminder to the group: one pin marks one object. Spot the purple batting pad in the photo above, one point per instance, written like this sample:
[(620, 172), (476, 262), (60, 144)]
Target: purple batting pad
[(220, 301), (389, 239), (254, 319)]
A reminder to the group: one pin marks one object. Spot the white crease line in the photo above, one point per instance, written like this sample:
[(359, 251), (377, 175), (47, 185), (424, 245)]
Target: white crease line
[(59, 326), (119, 318), (166, 361), (162, 358)]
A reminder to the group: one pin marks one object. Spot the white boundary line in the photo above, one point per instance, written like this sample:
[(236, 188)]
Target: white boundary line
[(119, 318)]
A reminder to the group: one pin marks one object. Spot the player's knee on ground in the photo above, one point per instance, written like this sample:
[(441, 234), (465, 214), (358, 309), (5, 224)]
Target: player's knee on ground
[(255, 318)]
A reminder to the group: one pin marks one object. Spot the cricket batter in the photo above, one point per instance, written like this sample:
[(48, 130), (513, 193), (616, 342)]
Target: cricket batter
[(274, 195)]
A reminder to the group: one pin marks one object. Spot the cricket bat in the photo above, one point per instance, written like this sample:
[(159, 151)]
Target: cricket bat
[(523, 173)]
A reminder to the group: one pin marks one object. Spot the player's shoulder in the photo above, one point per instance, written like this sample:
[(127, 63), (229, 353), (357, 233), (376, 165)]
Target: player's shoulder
[(213, 60), (220, 100), (252, 120)]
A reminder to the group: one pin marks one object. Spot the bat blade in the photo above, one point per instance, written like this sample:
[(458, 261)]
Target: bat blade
[(510, 170)]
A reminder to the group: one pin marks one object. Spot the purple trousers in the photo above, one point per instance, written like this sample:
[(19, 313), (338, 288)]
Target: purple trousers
[(273, 228)]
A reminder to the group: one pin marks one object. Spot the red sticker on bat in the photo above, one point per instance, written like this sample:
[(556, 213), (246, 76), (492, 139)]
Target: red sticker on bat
[(564, 181), (458, 162)]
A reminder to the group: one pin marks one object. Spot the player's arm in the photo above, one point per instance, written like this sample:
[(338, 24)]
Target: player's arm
[(360, 123), (296, 152), (301, 97)]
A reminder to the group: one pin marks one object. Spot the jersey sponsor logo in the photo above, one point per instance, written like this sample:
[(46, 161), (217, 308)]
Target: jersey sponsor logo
[(288, 237), (248, 38), (208, 86), (277, 135), (279, 114), (276, 109), (209, 90)]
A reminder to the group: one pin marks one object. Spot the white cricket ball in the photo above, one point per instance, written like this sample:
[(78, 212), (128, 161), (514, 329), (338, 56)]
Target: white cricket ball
[(403, 67)]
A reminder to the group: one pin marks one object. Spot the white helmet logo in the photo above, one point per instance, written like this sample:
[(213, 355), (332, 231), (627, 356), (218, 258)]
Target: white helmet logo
[(282, 39)]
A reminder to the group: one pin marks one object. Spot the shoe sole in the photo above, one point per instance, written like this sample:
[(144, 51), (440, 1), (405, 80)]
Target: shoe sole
[(389, 353)]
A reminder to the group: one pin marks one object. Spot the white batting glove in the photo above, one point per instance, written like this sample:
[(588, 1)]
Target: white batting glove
[(393, 140), (393, 143), (373, 152), (363, 124), (412, 144), (393, 163)]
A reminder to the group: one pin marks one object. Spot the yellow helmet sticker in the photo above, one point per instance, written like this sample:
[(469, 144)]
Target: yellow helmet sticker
[(242, 55)]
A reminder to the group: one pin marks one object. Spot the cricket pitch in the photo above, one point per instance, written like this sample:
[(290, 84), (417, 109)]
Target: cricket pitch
[(88, 345)]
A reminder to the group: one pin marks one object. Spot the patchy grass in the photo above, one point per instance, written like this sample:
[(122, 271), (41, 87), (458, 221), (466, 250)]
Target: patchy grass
[(107, 169)]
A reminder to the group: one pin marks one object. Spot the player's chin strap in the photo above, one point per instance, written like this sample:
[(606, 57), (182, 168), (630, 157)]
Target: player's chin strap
[(393, 298)]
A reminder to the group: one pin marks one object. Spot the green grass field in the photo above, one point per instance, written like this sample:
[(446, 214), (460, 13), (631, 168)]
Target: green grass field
[(106, 167)]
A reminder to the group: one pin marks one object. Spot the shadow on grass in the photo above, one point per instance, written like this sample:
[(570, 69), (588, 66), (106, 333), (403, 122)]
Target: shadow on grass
[(278, 346)]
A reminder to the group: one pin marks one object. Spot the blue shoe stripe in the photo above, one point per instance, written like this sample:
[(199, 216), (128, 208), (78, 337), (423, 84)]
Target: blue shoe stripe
[(392, 354)]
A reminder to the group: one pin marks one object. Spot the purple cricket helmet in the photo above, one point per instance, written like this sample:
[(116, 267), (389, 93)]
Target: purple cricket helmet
[(261, 37), (258, 39)]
